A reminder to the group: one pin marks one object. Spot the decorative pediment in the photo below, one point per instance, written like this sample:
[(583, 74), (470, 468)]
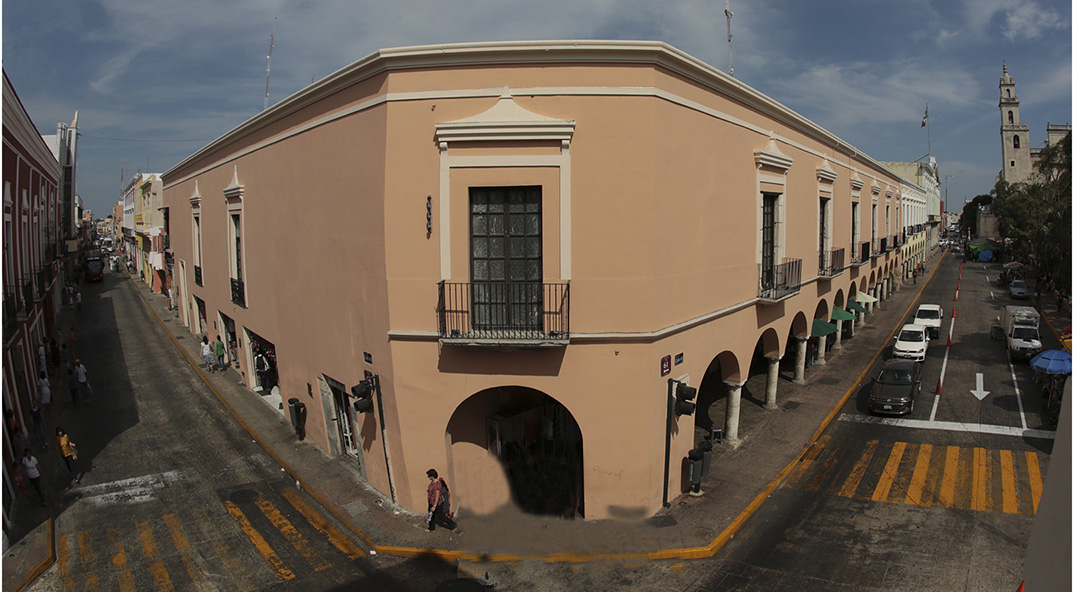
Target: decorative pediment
[(234, 191), (194, 199), (771, 156), (506, 120), (825, 173), (876, 189), (856, 183), (888, 193)]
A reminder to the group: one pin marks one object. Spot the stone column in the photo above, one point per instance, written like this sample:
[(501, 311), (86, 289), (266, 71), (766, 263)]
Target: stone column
[(772, 382), (802, 355), (861, 318), (732, 413), (821, 348), (838, 335)]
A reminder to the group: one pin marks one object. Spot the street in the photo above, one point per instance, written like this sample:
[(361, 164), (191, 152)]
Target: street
[(174, 495)]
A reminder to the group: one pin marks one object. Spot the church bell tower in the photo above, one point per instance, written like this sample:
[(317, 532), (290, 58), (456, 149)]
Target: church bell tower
[(1015, 146)]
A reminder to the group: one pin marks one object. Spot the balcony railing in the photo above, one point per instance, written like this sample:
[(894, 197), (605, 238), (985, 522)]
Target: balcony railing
[(884, 246), (780, 281), (237, 292), (197, 276), (504, 313), (832, 262)]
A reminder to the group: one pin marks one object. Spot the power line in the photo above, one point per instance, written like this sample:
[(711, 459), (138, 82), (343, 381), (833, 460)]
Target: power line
[(142, 140)]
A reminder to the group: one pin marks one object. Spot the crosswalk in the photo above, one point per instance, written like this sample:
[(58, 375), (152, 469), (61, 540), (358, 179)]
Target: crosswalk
[(924, 475), (205, 549)]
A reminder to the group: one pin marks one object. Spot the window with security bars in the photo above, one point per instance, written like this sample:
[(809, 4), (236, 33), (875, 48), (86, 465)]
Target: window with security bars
[(767, 260), (507, 269)]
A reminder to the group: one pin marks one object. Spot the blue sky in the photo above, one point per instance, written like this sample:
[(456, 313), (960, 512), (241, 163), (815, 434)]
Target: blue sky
[(155, 80)]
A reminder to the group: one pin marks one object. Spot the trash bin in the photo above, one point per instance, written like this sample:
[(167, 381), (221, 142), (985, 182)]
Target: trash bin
[(706, 447), (694, 463), (292, 411)]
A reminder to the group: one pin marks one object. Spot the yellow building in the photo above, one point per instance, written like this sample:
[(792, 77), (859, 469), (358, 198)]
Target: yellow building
[(526, 242)]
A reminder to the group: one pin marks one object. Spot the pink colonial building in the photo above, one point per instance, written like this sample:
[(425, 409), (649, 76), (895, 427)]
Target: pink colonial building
[(527, 242)]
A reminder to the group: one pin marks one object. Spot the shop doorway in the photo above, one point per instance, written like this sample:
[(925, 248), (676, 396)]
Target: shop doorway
[(345, 417), (263, 361), (525, 438), (231, 337)]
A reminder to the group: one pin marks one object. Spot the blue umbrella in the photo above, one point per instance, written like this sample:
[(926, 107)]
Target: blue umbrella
[(1053, 361)]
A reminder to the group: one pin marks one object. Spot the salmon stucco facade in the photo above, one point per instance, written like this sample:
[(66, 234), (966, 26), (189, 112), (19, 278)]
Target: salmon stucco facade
[(527, 242)]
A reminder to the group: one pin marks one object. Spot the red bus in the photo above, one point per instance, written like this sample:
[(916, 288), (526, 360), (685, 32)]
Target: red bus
[(92, 269)]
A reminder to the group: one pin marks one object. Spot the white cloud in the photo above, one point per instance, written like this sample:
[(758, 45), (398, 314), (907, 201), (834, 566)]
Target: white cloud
[(1019, 18)]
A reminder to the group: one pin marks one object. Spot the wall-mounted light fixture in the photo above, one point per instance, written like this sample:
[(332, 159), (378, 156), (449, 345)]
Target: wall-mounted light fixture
[(428, 216)]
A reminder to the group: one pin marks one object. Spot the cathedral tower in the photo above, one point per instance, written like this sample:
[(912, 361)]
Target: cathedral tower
[(1015, 146)]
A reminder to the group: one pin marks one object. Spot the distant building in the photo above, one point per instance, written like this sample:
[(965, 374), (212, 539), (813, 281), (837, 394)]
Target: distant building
[(921, 203), (1017, 156)]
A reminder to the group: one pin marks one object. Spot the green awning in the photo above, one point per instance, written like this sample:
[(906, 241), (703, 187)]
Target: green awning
[(821, 328), (854, 306), (838, 314), (864, 298)]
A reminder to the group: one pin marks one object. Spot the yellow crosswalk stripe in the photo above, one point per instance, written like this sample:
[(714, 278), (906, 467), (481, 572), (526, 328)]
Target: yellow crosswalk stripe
[(120, 562), (947, 497), (806, 462), (228, 557), (259, 543), (155, 564), (292, 535), (891, 469), (1009, 502), (918, 479), (850, 487), (86, 555), (980, 500), (335, 536), (1035, 479), (188, 556), (64, 563)]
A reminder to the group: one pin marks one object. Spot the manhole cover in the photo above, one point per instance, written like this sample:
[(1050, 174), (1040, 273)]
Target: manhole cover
[(828, 381), (243, 496), (791, 405)]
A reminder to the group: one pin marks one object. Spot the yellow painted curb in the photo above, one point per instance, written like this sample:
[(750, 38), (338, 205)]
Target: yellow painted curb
[(562, 557)]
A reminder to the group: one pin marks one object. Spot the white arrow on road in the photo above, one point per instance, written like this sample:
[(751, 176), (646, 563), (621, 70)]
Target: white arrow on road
[(978, 392)]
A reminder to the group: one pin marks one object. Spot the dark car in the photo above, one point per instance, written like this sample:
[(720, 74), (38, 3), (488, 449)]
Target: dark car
[(896, 387)]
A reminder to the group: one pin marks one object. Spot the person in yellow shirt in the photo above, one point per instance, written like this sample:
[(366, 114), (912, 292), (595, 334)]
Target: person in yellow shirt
[(68, 451)]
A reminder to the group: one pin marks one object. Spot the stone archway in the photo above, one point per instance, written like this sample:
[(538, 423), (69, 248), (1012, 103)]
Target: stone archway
[(516, 444)]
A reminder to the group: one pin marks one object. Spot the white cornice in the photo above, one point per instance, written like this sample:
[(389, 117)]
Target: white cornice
[(235, 190), (771, 156), (466, 55), (194, 199), (825, 173), (856, 183)]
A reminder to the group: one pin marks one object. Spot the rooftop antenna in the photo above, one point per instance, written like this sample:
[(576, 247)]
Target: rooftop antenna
[(729, 34), (268, 68)]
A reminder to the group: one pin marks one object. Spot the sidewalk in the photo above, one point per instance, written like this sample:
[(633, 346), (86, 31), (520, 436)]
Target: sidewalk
[(692, 527), (771, 443)]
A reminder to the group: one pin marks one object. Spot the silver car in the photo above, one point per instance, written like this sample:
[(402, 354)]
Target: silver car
[(1018, 289)]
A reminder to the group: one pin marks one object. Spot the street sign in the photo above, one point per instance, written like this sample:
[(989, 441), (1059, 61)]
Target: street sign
[(678, 358), (666, 365)]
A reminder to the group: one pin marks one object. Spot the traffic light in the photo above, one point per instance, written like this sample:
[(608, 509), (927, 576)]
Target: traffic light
[(684, 404), (364, 394)]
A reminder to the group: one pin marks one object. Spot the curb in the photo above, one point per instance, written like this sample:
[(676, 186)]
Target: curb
[(449, 555)]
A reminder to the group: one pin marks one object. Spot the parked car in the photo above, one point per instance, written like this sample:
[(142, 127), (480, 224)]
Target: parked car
[(1018, 289), (912, 343), (930, 317), (895, 389)]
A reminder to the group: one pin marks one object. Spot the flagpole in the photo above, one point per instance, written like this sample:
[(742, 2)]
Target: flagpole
[(929, 146)]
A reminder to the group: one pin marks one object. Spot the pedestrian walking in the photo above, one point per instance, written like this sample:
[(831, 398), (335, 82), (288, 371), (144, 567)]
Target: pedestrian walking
[(263, 368), (54, 352), (206, 354), (33, 474), (72, 336), (79, 300), (73, 386), (43, 389), (220, 353), (36, 417), (81, 377), (20, 441), (438, 499), (68, 452), (65, 358), (41, 356)]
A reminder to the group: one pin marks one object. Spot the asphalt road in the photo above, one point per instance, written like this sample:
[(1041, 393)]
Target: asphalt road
[(173, 494)]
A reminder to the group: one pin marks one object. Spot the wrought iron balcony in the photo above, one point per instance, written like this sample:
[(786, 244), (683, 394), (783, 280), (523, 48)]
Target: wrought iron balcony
[(861, 254), (197, 276), (884, 246), (778, 282), (237, 292), (511, 314), (832, 262)]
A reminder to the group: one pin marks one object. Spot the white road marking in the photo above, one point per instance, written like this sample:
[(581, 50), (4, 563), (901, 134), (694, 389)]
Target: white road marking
[(950, 426), (992, 295), (1016, 387), (127, 491), (937, 399), (979, 393)]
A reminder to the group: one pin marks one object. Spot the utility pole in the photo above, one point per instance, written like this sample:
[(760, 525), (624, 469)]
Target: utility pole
[(268, 68)]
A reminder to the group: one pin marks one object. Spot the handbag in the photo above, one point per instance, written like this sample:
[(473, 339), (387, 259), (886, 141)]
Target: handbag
[(75, 453)]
